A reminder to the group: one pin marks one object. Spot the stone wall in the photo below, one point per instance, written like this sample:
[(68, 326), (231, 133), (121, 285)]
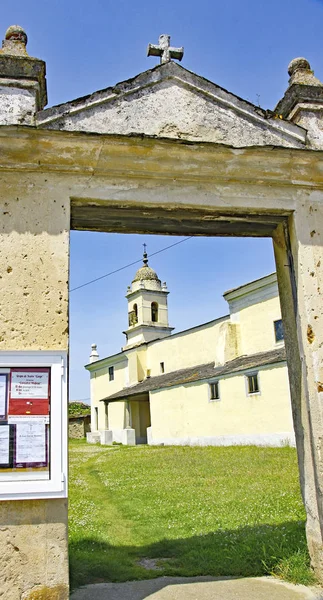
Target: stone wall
[(78, 427)]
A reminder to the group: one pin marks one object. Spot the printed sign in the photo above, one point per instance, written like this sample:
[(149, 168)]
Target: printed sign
[(31, 443), (31, 385), (29, 392)]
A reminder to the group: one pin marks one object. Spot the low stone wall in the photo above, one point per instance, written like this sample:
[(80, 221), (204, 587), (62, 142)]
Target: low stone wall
[(78, 427)]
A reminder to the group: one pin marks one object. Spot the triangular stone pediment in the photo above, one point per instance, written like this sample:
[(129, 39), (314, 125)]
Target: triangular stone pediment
[(169, 101)]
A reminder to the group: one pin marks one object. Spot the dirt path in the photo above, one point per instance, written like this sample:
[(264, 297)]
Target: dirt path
[(198, 588)]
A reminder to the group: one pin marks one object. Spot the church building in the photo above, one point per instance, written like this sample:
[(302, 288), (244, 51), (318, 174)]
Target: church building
[(219, 383)]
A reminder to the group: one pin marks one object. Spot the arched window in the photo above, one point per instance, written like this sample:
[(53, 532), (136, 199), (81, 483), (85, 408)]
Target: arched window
[(135, 312), (133, 315), (154, 312)]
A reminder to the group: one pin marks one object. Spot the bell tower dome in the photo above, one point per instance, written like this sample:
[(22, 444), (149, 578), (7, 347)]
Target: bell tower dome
[(147, 307)]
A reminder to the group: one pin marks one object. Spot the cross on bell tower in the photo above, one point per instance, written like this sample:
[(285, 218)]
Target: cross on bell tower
[(164, 50), (145, 257)]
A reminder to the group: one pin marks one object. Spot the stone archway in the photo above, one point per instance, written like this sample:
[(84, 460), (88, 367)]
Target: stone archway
[(124, 184), (82, 166)]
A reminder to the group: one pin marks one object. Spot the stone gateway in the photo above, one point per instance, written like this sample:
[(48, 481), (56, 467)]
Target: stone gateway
[(165, 152)]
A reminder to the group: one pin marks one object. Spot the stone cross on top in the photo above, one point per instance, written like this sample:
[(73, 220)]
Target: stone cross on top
[(164, 50)]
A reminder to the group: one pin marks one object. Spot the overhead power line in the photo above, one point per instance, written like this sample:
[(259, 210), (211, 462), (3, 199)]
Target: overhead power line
[(130, 264)]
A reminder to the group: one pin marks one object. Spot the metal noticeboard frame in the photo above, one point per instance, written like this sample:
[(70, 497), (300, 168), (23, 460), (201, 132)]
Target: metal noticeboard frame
[(55, 486)]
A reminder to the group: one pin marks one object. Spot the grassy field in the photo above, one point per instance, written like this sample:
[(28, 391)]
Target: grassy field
[(195, 511)]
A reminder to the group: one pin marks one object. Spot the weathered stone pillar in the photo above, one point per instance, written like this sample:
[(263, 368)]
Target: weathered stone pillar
[(34, 249), (34, 252), (128, 434), (106, 436), (127, 415), (299, 259)]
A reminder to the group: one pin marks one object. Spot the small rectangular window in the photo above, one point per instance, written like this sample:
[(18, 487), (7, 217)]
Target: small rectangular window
[(253, 384), (111, 373), (279, 330), (162, 367), (214, 390)]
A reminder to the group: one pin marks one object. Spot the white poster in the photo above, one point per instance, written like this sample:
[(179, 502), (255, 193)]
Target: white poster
[(4, 444), (29, 384), (3, 394), (31, 442)]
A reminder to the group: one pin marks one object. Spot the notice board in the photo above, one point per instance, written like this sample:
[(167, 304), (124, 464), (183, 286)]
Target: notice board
[(31, 423)]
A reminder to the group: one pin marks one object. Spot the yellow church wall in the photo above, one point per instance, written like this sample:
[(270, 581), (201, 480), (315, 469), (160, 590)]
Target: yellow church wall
[(144, 416), (184, 414), (140, 419), (135, 417), (102, 387), (194, 347), (257, 326), (116, 418), (141, 354), (132, 358)]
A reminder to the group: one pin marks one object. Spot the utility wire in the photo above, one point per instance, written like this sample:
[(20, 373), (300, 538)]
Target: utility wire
[(130, 264)]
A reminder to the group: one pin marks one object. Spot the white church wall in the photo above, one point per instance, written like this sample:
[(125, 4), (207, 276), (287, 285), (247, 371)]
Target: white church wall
[(186, 415)]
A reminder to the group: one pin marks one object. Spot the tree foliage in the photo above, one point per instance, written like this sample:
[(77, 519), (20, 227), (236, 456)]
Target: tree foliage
[(76, 409)]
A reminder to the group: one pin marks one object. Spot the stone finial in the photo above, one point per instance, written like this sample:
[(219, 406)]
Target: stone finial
[(300, 72), (304, 90), (165, 50), (23, 80), (15, 41), (298, 63), (94, 353)]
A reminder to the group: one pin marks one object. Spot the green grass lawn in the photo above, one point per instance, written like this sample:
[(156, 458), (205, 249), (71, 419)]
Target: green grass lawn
[(200, 511)]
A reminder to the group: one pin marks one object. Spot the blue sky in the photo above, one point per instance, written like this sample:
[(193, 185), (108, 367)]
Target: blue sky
[(243, 46)]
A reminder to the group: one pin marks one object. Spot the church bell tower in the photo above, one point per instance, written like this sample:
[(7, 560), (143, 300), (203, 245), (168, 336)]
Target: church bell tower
[(147, 307)]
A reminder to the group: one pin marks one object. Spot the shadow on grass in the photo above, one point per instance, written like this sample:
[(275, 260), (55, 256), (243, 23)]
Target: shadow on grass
[(247, 551)]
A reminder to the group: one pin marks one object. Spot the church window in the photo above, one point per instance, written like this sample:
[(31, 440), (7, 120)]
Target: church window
[(111, 373), (135, 311), (214, 390), (279, 330), (133, 315), (162, 367), (154, 312), (253, 383)]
